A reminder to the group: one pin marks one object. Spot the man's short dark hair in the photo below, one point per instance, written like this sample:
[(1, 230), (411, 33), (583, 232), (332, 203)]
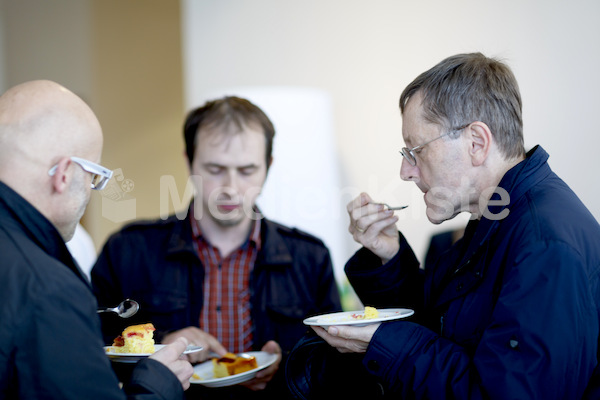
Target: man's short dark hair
[(222, 112)]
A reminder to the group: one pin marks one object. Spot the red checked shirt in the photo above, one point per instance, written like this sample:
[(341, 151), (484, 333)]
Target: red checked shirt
[(226, 306)]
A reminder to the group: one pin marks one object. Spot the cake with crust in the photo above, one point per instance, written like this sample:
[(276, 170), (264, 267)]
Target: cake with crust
[(231, 364), (138, 339)]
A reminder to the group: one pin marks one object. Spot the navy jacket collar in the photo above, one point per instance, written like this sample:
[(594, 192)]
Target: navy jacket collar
[(516, 182)]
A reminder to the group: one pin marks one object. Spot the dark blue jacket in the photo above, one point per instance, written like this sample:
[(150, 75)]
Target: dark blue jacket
[(155, 263), (50, 341), (510, 312)]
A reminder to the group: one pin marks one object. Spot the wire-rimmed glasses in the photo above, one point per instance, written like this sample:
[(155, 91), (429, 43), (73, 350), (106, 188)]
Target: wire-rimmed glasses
[(409, 153), (100, 175)]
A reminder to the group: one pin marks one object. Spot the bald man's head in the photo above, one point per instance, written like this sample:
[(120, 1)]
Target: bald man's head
[(43, 124), (41, 120)]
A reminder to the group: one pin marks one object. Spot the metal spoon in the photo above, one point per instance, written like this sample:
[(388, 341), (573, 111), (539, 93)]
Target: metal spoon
[(124, 310)]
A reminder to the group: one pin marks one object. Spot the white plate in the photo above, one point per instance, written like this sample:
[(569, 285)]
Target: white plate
[(207, 376), (135, 357), (354, 317)]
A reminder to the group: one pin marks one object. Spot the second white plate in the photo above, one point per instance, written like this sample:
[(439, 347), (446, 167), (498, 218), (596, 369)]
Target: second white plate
[(207, 378), (357, 317)]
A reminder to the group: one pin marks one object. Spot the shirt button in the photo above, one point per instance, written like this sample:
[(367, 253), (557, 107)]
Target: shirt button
[(373, 365)]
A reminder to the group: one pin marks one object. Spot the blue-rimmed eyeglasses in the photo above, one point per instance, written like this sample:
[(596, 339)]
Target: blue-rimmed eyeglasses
[(100, 174), (409, 153)]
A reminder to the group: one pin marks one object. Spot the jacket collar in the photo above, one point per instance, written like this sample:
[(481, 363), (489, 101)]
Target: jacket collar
[(181, 239), (274, 250), (36, 227), (516, 182)]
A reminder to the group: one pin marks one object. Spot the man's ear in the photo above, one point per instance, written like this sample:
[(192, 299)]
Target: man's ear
[(62, 175), (270, 163), (481, 140)]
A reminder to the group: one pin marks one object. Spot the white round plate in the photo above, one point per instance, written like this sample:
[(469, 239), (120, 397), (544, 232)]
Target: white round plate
[(356, 318), (207, 378), (135, 357)]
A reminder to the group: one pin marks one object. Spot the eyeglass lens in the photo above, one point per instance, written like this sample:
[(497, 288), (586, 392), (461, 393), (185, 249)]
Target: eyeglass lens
[(98, 181), (406, 153)]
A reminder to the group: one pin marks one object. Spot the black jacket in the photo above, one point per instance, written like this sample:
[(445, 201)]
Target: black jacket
[(50, 339)]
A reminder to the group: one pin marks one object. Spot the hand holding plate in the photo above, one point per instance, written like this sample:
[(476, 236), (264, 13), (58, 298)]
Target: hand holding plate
[(348, 339), (259, 382), (170, 357)]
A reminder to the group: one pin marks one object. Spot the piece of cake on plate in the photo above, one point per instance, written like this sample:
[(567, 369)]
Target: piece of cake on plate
[(138, 339), (230, 364), (371, 312)]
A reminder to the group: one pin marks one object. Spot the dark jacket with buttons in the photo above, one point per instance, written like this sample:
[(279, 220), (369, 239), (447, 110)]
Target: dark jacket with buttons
[(50, 341), (510, 312)]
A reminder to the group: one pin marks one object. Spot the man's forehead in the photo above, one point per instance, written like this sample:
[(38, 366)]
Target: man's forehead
[(412, 130), (416, 129), (231, 150), (223, 133)]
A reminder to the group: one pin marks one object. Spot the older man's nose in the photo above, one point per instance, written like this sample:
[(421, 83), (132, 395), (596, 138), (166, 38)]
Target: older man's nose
[(408, 172)]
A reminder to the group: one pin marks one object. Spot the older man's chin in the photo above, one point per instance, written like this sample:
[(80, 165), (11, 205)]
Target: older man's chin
[(438, 215)]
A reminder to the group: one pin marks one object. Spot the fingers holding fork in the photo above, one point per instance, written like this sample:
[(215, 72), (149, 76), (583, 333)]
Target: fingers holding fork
[(397, 208)]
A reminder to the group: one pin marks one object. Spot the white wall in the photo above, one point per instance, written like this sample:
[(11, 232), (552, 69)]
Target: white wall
[(364, 54)]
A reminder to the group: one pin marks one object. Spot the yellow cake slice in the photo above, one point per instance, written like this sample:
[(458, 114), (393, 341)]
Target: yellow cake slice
[(230, 364), (135, 339), (371, 312)]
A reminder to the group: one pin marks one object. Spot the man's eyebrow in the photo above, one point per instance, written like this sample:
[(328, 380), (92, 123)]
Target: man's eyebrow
[(252, 165), (214, 164), (411, 140)]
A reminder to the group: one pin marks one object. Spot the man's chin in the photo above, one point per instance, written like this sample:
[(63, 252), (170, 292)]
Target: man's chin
[(68, 233), (229, 221), (438, 216)]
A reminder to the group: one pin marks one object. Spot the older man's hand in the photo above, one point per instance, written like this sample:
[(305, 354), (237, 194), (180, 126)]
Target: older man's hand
[(348, 339), (374, 227)]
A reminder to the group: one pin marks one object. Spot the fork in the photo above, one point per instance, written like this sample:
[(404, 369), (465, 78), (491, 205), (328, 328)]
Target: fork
[(393, 208)]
